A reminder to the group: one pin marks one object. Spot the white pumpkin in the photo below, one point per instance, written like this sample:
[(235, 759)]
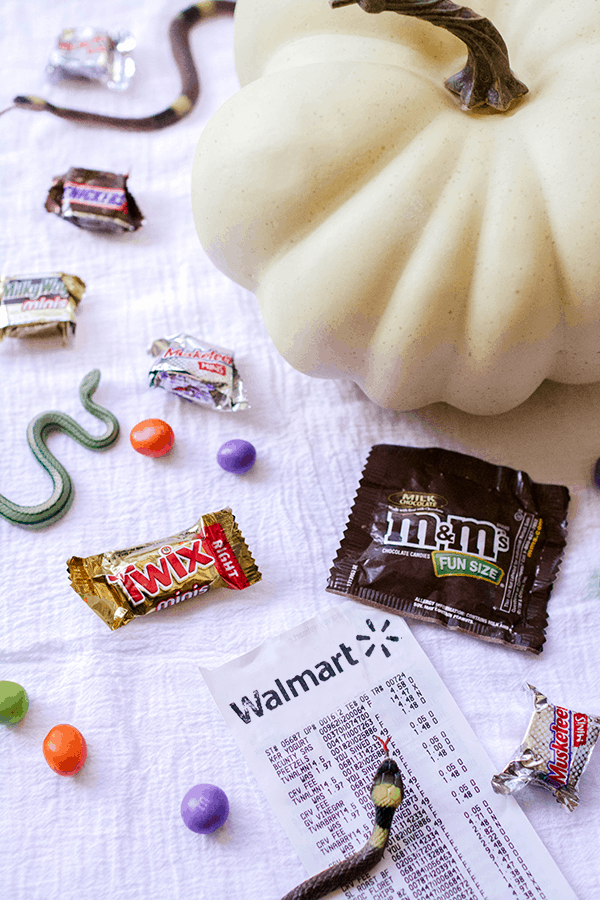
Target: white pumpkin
[(424, 252)]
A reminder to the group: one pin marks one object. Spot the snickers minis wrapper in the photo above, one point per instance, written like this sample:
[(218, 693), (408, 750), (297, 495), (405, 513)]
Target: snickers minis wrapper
[(122, 584), (95, 201)]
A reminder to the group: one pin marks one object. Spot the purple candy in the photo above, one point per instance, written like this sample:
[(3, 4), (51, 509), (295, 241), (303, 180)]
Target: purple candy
[(236, 456), (204, 808)]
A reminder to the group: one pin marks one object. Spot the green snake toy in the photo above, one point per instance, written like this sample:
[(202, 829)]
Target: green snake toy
[(387, 793), (62, 495)]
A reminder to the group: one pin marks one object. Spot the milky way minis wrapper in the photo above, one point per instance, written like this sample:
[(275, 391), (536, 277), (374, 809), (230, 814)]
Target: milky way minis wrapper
[(95, 201), (122, 584), (36, 304), (447, 538), (554, 753)]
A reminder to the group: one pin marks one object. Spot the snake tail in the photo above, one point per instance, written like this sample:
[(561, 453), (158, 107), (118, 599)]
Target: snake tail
[(43, 514), (387, 793), (179, 31)]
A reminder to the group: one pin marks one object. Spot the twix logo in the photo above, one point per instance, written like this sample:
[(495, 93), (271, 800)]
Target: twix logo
[(172, 565)]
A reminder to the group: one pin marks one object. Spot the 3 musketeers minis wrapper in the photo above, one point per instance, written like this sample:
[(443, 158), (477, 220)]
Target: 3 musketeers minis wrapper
[(120, 585), (444, 537), (198, 371), (554, 752)]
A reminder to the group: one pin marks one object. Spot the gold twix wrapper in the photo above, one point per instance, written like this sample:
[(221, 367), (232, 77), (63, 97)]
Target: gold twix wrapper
[(122, 584)]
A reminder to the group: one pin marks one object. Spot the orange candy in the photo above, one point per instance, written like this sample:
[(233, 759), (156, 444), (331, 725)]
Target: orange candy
[(65, 749), (152, 437)]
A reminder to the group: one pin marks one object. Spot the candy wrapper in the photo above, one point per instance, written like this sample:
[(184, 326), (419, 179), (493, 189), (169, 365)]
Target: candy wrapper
[(197, 371), (122, 584), (36, 304), (554, 753), (87, 53), (96, 201), (447, 538)]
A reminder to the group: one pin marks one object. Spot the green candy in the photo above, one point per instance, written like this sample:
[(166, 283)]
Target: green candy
[(14, 702)]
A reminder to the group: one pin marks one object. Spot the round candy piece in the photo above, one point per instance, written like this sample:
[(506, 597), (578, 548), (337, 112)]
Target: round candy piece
[(236, 456), (65, 749), (14, 702), (204, 808), (152, 437)]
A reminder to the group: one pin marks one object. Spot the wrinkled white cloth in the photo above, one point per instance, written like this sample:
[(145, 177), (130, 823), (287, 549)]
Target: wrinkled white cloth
[(152, 728)]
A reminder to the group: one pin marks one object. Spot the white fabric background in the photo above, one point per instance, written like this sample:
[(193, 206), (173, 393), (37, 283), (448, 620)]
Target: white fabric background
[(136, 694)]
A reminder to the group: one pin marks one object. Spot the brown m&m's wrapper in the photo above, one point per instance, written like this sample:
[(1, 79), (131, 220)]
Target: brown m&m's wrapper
[(95, 201), (122, 584), (37, 304), (450, 539)]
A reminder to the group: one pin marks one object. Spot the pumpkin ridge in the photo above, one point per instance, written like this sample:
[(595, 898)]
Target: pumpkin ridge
[(556, 357), (432, 311), (372, 285), (513, 306), (340, 201), (308, 50), (564, 365), (335, 178)]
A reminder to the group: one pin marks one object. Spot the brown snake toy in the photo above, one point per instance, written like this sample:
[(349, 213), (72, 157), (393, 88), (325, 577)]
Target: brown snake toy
[(387, 793), (190, 86)]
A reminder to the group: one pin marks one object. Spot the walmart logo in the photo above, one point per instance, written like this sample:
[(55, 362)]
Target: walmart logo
[(374, 636)]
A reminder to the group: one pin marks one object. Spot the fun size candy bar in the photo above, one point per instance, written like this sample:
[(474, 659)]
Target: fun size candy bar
[(96, 201), (87, 53), (554, 753), (447, 538), (35, 304), (197, 371), (122, 584)]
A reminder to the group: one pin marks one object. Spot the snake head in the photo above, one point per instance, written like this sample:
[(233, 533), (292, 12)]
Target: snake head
[(387, 789), (30, 102)]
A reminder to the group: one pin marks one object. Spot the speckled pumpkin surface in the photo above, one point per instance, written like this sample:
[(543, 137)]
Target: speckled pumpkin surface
[(426, 253)]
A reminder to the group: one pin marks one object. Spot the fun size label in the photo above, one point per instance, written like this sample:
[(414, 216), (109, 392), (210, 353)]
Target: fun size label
[(465, 564)]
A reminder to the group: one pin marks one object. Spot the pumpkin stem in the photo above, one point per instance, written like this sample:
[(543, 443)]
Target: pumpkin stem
[(487, 79)]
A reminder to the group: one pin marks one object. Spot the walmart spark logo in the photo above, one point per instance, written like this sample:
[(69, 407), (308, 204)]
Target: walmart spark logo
[(372, 638)]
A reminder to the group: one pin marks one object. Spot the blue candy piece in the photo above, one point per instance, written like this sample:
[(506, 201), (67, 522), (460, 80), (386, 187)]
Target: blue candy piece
[(205, 808), (236, 456), (597, 473)]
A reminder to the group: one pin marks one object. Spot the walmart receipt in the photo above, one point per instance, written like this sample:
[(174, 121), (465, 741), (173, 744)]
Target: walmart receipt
[(306, 709)]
